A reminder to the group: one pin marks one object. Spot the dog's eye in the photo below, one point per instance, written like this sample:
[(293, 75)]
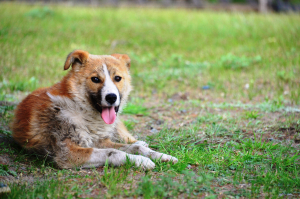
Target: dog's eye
[(118, 78), (95, 79)]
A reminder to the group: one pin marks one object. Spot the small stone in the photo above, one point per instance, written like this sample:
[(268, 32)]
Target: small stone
[(154, 130), (4, 189), (2, 185), (246, 86), (206, 87)]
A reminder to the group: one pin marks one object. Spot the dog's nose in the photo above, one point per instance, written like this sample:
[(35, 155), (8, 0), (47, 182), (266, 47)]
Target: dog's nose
[(111, 98)]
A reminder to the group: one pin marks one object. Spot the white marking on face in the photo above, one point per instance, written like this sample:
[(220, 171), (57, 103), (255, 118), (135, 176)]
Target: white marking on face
[(109, 88)]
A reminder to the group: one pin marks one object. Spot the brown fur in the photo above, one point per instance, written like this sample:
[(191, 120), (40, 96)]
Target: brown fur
[(107, 143), (124, 134), (80, 55), (22, 126), (76, 156)]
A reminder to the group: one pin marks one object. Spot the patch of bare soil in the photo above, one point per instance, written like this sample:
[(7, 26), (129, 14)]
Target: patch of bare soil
[(177, 113), (289, 133)]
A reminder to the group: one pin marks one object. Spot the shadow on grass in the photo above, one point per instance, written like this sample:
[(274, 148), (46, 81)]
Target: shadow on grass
[(17, 154)]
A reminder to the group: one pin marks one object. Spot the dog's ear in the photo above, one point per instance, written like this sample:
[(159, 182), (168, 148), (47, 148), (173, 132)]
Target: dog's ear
[(77, 56), (123, 57)]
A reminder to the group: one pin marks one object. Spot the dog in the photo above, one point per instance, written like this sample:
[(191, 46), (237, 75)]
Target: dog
[(76, 121)]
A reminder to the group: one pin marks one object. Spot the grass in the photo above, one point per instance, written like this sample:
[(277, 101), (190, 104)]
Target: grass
[(224, 160), (219, 91), (261, 51), (135, 109)]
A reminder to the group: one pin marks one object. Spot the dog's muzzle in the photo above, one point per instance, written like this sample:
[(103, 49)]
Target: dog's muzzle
[(109, 111)]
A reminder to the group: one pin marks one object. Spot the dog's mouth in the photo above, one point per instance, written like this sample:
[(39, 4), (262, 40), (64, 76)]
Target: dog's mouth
[(108, 113)]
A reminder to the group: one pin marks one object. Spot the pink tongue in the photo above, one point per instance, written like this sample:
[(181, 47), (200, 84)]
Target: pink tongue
[(108, 114)]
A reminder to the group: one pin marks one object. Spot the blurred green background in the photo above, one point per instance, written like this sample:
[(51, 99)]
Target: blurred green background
[(245, 57)]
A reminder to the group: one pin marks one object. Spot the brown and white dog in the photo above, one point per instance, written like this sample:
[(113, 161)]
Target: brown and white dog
[(76, 120)]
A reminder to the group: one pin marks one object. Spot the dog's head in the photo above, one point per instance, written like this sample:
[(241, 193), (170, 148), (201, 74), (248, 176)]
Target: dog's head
[(103, 79)]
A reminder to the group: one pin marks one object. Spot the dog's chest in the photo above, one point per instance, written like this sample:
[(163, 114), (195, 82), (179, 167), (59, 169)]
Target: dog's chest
[(89, 128)]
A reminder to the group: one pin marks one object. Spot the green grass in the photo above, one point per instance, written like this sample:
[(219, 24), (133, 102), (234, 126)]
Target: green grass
[(239, 138), (135, 109), (222, 160), (183, 48), (269, 168), (129, 124)]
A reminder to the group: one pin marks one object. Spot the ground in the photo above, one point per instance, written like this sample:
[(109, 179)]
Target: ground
[(219, 91), (236, 143)]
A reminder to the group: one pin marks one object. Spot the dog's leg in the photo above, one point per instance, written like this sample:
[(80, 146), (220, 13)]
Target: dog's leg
[(138, 149), (124, 135), (115, 157), (94, 157)]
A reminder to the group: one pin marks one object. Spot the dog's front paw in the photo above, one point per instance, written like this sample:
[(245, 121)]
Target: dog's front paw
[(163, 157), (142, 143), (168, 158), (141, 161)]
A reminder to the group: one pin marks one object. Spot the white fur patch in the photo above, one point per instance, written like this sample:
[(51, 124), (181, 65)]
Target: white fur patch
[(143, 150), (109, 88), (116, 158)]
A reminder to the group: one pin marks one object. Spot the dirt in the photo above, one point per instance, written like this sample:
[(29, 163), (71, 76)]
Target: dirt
[(176, 116)]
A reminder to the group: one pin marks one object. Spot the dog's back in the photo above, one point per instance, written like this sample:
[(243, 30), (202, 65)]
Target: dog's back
[(28, 116)]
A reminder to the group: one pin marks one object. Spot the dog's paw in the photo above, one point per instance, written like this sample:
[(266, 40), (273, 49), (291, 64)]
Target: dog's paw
[(164, 157), (141, 161), (142, 143), (168, 158)]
